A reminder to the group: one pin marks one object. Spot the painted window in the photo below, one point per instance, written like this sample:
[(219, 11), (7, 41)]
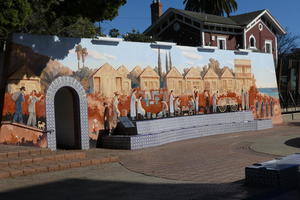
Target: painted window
[(214, 85), (268, 46), (225, 84), (222, 43), (97, 84), (230, 84)]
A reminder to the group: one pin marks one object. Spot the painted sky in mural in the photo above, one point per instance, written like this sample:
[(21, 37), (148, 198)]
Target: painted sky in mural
[(143, 55)]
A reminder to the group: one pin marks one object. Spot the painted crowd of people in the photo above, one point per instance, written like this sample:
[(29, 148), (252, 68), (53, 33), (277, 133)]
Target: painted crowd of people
[(171, 105), (19, 99)]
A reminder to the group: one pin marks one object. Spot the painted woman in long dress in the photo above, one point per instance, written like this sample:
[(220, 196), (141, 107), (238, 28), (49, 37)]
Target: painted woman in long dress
[(171, 102), (247, 100), (214, 102), (243, 99), (140, 109), (133, 105), (116, 112)]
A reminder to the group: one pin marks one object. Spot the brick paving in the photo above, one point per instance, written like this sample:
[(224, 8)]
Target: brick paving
[(214, 159), (203, 168)]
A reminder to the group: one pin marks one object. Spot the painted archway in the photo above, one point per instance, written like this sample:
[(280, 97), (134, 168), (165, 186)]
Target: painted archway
[(56, 85)]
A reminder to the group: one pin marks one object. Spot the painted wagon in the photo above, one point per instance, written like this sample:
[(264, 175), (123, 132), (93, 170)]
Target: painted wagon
[(229, 104)]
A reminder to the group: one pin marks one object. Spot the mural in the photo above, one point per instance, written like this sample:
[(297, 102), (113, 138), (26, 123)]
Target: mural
[(139, 80)]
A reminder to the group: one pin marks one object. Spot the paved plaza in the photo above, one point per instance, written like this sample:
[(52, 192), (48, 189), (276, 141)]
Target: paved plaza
[(203, 168)]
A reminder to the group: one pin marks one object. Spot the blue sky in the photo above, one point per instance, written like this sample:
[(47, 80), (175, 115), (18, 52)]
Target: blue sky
[(136, 13)]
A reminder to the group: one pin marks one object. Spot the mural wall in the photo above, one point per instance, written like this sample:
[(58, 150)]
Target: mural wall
[(138, 80)]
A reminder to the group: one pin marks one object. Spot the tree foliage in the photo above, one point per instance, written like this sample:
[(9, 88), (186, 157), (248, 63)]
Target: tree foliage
[(136, 36), (73, 18), (114, 32), (13, 15), (286, 43), (214, 7), (94, 10)]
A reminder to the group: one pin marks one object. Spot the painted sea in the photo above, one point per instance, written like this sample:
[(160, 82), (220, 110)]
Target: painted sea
[(273, 92)]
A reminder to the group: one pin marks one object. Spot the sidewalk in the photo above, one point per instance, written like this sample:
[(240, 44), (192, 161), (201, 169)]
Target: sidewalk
[(203, 168)]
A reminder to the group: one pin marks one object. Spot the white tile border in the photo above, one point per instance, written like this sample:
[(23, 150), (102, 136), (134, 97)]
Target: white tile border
[(58, 83)]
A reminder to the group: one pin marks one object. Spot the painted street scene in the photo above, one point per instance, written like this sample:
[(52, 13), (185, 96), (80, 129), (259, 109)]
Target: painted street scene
[(201, 104)]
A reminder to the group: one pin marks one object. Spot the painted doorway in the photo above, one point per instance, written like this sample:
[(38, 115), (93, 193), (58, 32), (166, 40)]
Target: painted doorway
[(66, 114), (67, 119)]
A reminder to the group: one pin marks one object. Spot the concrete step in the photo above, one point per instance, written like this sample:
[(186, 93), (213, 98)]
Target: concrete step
[(33, 161), (34, 168), (24, 152), (40, 158)]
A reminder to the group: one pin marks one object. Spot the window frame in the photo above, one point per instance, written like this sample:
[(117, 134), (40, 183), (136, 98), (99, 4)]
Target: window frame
[(221, 39), (271, 46)]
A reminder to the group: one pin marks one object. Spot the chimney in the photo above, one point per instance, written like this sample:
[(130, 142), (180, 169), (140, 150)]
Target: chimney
[(156, 10)]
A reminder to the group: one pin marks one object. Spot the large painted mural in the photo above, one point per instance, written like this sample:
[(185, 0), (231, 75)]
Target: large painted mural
[(139, 80)]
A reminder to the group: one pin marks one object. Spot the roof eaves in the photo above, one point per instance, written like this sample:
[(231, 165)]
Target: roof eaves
[(283, 31), (206, 17), (159, 20)]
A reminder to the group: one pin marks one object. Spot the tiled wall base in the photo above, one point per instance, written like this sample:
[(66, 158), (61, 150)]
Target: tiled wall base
[(162, 131), (276, 173)]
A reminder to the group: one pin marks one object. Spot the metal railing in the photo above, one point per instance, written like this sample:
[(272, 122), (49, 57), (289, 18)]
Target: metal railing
[(290, 102)]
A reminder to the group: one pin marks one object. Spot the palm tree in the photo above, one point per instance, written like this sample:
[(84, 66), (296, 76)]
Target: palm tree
[(114, 32), (84, 53), (214, 7), (78, 50)]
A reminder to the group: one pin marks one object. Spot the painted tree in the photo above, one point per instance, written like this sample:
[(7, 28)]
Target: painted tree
[(78, 50), (84, 54), (214, 7), (82, 76), (81, 54)]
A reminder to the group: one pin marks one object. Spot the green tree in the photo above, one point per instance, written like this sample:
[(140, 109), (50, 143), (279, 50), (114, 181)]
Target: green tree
[(136, 36), (57, 17), (114, 32), (13, 15), (214, 7)]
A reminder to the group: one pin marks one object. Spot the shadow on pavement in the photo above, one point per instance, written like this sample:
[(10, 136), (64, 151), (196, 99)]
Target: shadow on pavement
[(82, 189), (295, 142)]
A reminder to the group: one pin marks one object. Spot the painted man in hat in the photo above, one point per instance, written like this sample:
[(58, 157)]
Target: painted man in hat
[(19, 98)]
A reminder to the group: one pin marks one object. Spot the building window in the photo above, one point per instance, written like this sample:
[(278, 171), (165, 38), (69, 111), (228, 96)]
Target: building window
[(196, 24), (172, 18), (260, 27), (187, 20), (222, 43), (179, 17), (268, 46), (252, 42)]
